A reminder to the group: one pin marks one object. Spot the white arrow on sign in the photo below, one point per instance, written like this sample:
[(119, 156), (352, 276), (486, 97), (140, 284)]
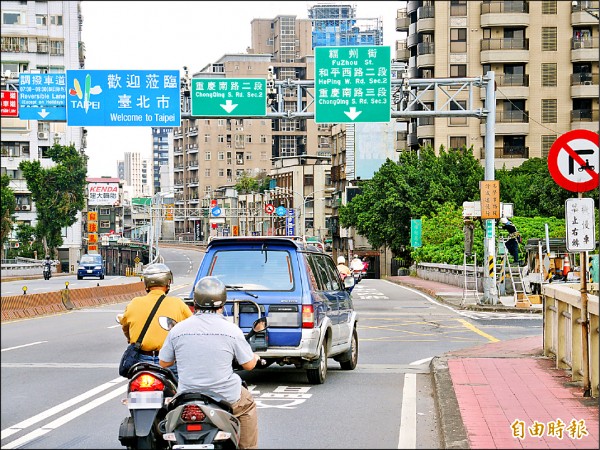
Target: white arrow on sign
[(43, 113), (229, 106), (353, 113)]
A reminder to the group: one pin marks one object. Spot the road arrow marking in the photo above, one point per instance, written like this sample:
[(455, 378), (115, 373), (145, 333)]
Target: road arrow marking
[(352, 114), (228, 106), (43, 113)]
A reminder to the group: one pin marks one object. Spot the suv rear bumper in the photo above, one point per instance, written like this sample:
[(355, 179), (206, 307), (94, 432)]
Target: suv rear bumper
[(307, 350)]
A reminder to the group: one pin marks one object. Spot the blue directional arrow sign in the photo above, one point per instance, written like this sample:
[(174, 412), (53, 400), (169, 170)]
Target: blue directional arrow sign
[(123, 98), (43, 96)]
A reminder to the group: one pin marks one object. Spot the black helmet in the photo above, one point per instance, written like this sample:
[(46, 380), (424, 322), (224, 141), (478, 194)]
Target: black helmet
[(157, 275), (48, 257), (210, 293)]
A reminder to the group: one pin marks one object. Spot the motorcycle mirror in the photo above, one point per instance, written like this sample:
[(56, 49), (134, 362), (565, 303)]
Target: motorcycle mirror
[(118, 318), (166, 323), (259, 325)]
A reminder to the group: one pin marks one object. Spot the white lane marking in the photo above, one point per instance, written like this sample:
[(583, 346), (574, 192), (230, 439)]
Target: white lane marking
[(114, 326), (58, 408), (66, 418), (408, 419), (421, 361), (21, 346)]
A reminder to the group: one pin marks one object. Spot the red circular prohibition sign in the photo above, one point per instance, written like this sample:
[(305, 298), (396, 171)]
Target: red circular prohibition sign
[(570, 162)]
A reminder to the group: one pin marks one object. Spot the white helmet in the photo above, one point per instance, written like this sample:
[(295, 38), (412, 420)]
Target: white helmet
[(341, 260), (503, 220)]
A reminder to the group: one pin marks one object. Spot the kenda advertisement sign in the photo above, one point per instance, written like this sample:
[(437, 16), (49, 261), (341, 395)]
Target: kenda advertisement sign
[(103, 193)]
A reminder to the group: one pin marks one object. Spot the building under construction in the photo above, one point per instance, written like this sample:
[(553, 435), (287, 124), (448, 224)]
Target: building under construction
[(337, 25)]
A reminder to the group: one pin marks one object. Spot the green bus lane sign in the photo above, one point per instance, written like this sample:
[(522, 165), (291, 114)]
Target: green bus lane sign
[(229, 97), (352, 84)]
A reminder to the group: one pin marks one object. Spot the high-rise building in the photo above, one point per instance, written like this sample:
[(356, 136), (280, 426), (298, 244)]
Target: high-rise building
[(544, 55), (138, 174), (336, 25), (160, 156), (39, 38)]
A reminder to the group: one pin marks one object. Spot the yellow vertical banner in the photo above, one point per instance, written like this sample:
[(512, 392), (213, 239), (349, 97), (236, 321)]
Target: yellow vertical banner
[(490, 199)]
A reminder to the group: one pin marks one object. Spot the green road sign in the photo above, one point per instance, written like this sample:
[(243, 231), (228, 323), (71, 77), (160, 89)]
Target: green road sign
[(352, 84), (415, 233), (229, 97)]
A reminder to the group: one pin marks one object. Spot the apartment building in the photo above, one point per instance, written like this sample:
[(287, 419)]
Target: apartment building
[(545, 58), (161, 142), (39, 38), (137, 175)]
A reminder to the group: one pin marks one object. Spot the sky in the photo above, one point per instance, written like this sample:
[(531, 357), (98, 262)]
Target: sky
[(168, 35)]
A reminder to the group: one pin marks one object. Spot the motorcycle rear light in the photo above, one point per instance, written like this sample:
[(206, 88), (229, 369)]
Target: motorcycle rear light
[(194, 427), (146, 382), (192, 413), (308, 316)]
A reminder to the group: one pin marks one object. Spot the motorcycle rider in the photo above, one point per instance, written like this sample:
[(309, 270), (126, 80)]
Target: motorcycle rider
[(342, 267), (157, 281), (47, 264), (205, 347), (356, 265)]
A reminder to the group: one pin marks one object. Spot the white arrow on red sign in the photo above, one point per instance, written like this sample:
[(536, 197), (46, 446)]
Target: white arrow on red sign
[(574, 160)]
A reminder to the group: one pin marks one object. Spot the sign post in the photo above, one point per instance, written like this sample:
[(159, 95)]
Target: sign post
[(352, 84)]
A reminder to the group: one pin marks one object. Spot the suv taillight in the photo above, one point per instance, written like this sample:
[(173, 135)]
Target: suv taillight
[(308, 316), (146, 382)]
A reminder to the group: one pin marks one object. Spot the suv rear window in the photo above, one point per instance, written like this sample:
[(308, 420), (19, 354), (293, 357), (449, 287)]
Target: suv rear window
[(254, 269)]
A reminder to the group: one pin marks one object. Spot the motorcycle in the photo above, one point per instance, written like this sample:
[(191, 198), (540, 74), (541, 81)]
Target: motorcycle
[(357, 274), (47, 271), (160, 418)]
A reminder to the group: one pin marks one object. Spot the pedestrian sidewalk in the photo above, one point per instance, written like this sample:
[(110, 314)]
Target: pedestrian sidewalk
[(506, 394)]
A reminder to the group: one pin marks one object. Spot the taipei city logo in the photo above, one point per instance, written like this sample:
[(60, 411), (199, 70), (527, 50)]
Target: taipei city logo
[(84, 102)]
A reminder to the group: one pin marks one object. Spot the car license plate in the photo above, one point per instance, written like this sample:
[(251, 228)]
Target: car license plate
[(193, 446), (89, 271)]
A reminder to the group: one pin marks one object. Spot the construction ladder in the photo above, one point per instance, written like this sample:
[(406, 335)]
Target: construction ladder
[(470, 278), (515, 273)]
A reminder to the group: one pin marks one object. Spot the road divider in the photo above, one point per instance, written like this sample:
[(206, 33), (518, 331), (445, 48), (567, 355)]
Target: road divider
[(33, 305)]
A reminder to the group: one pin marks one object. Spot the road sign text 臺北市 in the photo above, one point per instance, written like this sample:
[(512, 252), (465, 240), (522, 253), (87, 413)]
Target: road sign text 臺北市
[(229, 97)]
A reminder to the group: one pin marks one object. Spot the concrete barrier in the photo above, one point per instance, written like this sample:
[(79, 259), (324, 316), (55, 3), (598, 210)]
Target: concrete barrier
[(33, 305)]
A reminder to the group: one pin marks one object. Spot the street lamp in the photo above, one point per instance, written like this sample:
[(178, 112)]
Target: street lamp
[(154, 233)]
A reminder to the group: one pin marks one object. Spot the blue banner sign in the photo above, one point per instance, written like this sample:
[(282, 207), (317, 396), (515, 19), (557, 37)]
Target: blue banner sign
[(289, 222), (415, 233), (43, 96), (123, 98)]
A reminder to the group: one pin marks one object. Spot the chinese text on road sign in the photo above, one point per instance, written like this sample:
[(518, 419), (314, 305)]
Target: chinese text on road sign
[(229, 97), (42, 96), (580, 224)]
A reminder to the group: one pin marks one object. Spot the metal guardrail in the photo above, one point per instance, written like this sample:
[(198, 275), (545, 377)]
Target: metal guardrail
[(564, 331)]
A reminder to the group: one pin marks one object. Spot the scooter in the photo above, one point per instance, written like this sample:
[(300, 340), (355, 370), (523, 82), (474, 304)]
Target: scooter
[(357, 274), (47, 272), (201, 418)]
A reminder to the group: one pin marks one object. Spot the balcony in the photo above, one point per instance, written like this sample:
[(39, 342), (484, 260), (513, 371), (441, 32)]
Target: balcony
[(402, 20), (425, 127), (512, 85), (177, 151), (425, 18), (425, 54), (402, 52), (193, 131), (584, 85), (411, 6), (504, 14), (511, 152), (579, 15), (178, 168), (192, 165), (504, 50), (192, 148), (192, 182), (178, 183), (413, 37), (584, 49), (586, 119), (510, 123)]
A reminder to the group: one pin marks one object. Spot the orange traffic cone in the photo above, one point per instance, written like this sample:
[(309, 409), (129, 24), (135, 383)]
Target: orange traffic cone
[(566, 266)]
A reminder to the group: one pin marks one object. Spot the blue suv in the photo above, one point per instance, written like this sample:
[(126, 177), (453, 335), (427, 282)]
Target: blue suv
[(90, 265), (298, 287)]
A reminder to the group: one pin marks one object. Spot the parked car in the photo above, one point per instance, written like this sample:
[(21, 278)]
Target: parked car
[(90, 265), (298, 287)]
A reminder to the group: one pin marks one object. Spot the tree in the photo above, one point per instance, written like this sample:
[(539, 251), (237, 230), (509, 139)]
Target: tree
[(7, 210), (247, 184), (58, 193), (415, 186)]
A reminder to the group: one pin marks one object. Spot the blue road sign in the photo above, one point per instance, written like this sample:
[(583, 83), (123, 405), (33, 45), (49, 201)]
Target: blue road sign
[(43, 96), (216, 211), (281, 211), (290, 222), (415, 233), (123, 98)]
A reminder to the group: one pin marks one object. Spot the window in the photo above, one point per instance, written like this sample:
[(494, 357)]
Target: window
[(263, 138), (207, 156), (248, 139), (263, 156), (309, 179), (548, 7), (458, 70), (458, 105), (458, 7), (547, 141), (41, 20), (57, 47), (104, 212), (207, 138), (549, 110), (549, 39), (221, 156), (549, 74), (458, 142), (14, 44), (458, 40), (220, 138), (56, 20), (43, 45), (105, 224), (221, 172), (207, 172), (12, 18)]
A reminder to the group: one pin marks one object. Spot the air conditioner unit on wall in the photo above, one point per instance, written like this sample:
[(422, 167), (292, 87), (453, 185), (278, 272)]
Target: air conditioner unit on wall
[(25, 207), (18, 208), (42, 135)]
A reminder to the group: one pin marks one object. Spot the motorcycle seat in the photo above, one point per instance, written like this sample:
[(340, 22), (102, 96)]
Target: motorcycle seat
[(204, 395)]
